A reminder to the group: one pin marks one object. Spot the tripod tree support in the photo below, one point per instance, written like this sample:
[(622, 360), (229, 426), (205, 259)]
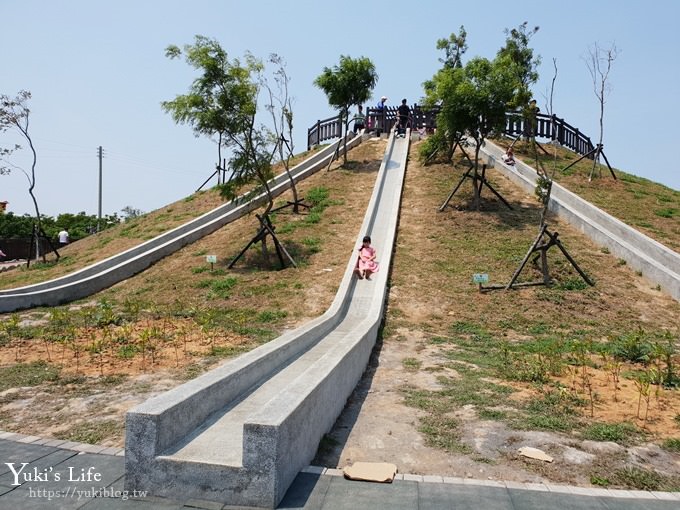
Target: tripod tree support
[(478, 181), (298, 203), (36, 236), (597, 151), (266, 228), (541, 247)]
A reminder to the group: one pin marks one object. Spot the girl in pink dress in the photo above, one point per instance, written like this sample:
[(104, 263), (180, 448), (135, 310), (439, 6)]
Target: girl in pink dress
[(366, 265)]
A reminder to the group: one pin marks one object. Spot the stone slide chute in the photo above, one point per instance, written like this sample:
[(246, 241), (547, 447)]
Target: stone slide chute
[(240, 433), (110, 271)]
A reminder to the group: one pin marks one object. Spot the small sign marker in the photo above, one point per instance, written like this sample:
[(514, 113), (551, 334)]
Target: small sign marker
[(480, 278)]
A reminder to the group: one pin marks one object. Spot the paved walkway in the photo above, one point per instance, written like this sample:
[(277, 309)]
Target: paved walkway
[(10, 264), (66, 475)]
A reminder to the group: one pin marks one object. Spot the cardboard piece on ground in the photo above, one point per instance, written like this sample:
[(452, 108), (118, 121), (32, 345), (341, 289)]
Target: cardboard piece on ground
[(535, 453), (382, 472)]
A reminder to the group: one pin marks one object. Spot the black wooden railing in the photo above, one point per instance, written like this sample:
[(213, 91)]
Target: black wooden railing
[(323, 130), (552, 128), (376, 118), (547, 127)]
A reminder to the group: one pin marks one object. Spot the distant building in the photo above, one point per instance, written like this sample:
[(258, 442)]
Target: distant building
[(3, 206)]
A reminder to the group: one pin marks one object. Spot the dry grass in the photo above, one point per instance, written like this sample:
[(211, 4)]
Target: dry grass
[(451, 334), (652, 208), (119, 238)]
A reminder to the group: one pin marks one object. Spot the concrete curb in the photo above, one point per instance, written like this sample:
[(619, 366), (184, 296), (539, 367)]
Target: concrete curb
[(325, 471), (657, 262), (540, 487)]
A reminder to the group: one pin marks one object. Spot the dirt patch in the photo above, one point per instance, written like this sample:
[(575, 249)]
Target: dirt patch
[(433, 305), (439, 332), (179, 318)]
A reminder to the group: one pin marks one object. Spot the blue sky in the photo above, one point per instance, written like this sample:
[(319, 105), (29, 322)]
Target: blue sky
[(98, 74)]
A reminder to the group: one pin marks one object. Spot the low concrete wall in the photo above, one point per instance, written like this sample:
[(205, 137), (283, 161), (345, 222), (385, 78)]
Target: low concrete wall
[(282, 437), (103, 274), (657, 262)]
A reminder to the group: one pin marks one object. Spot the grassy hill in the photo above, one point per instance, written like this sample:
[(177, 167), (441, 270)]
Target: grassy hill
[(652, 208), (466, 374)]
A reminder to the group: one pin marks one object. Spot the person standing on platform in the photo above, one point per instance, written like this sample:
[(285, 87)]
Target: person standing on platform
[(380, 118), (404, 113), (359, 120)]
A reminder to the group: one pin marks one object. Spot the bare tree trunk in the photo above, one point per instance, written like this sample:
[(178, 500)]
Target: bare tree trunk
[(31, 187), (283, 122), (599, 64)]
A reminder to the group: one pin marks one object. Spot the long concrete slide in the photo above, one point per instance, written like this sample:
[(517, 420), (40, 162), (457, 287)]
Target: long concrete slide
[(240, 433), (657, 262), (112, 270)]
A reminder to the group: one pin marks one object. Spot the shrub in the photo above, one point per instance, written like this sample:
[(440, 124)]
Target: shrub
[(617, 432), (633, 347)]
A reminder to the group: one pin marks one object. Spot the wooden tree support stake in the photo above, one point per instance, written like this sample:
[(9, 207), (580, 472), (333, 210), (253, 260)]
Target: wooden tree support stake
[(266, 228), (597, 151), (541, 246), (298, 203), (478, 181)]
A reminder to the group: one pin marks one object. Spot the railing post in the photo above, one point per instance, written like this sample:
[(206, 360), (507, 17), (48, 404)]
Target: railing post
[(553, 127)]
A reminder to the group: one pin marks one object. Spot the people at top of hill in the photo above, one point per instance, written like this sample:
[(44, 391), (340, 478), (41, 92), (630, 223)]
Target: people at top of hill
[(403, 114), (359, 119), (379, 119)]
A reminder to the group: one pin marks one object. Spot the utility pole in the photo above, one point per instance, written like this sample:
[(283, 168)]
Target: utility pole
[(100, 154)]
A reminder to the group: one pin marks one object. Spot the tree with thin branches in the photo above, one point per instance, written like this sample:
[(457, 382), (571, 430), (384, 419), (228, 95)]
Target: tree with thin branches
[(519, 57), (454, 48), (599, 62), (15, 116), (223, 101), (444, 141), (280, 107)]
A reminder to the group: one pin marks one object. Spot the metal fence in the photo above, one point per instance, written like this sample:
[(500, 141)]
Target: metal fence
[(18, 247)]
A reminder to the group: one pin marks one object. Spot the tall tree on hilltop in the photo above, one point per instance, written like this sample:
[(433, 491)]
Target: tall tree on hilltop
[(454, 48), (14, 116), (222, 103), (347, 84), (472, 101), (519, 57)]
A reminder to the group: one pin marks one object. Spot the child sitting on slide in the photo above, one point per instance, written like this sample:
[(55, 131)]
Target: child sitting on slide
[(366, 265)]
